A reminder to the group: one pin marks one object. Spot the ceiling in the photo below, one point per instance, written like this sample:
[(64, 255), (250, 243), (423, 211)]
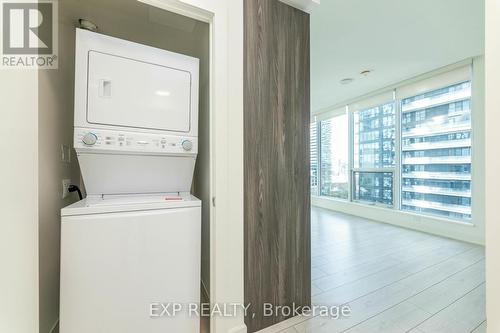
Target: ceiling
[(141, 23), (396, 39)]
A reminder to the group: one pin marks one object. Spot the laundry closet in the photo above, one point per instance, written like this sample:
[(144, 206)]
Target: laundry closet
[(126, 119)]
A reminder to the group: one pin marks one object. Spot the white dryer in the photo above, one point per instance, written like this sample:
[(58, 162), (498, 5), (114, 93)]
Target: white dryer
[(135, 240), (136, 116)]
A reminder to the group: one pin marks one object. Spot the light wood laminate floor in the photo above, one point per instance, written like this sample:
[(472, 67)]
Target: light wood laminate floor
[(394, 279)]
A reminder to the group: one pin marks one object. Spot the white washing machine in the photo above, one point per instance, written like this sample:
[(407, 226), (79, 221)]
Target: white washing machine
[(134, 242), (122, 257)]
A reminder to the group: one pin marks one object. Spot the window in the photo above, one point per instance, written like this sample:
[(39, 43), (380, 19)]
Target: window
[(374, 154), (376, 187), (314, 159), (436, 152), (408, 149), (334, 168)]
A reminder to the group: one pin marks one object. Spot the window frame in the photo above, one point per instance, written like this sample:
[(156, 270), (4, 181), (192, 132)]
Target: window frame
[(425, 83), (379, 100), (432, 87), (318, 155), (327, 116)]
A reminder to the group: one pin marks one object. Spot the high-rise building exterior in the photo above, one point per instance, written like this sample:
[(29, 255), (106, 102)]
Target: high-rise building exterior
[(333, 154), (374, 154), (314, 158), (325, 157), (436, 152)]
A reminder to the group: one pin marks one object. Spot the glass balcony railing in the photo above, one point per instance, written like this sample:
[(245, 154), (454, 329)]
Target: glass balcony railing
[(460, 209), (437, 190), (437, 160), (373, 187), (437, 175), (437, 100), (437, 128), (437, 145)]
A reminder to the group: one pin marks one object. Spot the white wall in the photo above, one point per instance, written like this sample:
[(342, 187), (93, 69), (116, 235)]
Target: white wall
[(202, 172), (230, 231), (55, 127), (18, 201), (492, 165)]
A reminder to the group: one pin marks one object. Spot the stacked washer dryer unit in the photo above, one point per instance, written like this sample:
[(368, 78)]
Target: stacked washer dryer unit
[(134, 242)]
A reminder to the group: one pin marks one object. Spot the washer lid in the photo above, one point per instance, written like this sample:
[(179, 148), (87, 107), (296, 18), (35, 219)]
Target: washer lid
[(129, 203)]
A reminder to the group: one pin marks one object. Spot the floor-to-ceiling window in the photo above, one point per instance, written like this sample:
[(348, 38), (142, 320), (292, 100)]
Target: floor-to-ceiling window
[(374, 154), (436, 151), (333, 153), (408, 148)]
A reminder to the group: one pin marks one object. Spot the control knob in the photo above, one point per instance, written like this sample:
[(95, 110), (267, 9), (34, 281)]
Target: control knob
[(187, 145), (89, 139)]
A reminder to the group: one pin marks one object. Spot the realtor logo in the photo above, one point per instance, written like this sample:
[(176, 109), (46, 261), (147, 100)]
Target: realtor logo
[(29, 34)]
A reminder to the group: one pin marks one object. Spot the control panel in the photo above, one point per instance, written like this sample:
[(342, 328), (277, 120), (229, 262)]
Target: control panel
[(98, 139)]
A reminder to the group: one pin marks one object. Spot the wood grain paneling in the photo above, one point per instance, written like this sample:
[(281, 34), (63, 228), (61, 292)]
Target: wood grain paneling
[(277, 192)]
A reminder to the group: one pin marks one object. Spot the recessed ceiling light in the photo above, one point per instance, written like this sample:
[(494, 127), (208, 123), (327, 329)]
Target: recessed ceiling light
[(365, 72), (346, 80)]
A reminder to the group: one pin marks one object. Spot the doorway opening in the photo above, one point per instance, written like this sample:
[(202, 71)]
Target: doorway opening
[(397, 166)]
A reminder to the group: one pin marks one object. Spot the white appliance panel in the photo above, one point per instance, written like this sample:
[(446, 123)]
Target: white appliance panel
[(125, 86), (131, 93), (99, 140), (114, 265), (115, 173)]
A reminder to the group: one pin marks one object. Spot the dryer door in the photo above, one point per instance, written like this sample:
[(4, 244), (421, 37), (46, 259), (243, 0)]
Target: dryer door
[(130, 93)]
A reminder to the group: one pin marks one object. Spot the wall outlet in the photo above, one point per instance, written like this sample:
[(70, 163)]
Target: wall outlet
[(65, 185)]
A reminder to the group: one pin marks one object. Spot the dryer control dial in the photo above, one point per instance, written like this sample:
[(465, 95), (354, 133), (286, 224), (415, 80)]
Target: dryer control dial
[(89, 139), (187, 145)]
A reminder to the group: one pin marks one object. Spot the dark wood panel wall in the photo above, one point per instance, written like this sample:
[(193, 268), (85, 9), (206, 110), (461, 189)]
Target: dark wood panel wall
[(277, 191)]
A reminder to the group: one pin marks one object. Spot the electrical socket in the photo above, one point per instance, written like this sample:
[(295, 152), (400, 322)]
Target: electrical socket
[(65, 185)]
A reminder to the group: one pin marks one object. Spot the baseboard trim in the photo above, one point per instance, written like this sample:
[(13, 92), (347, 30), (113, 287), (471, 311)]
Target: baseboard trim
[(432, 225), (238, 329), (285, 324), (304, 5), (205, 290), (55, 328)]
